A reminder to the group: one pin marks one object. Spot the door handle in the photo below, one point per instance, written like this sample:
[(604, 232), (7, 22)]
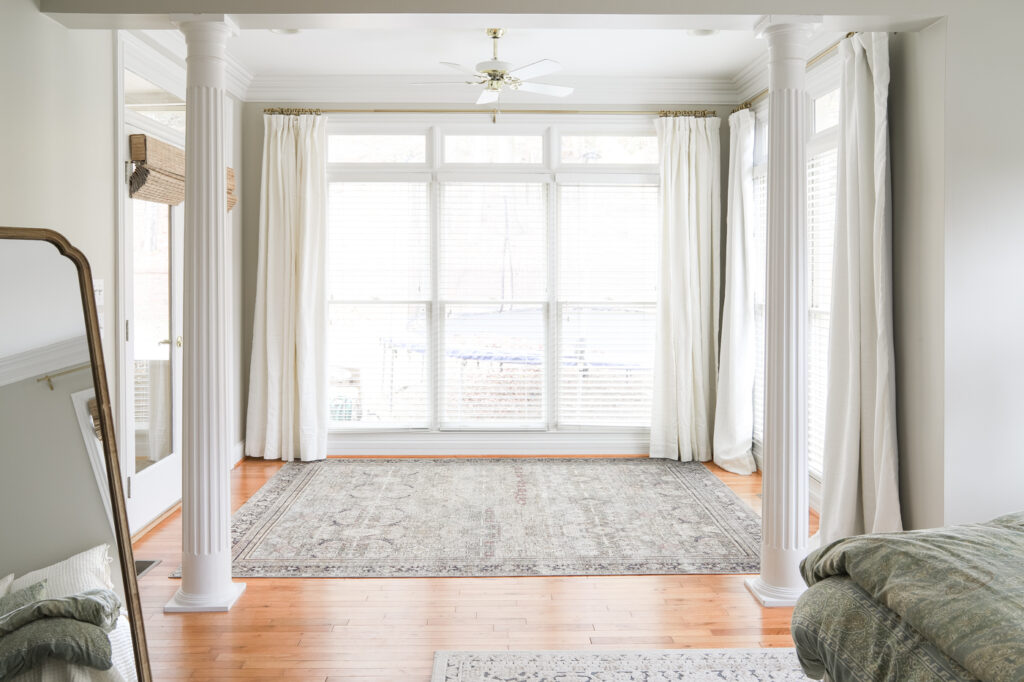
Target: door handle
[(167, 342)]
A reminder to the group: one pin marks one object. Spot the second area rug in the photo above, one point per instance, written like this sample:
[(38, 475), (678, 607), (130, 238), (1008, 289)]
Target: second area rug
[(493, 517)]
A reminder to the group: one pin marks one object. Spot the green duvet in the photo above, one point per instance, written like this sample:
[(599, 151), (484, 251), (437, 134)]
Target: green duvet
[(961, 588)]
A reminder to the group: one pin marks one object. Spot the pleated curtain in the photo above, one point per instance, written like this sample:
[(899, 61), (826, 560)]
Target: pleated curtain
[(734, 411), (287, 411), (686, 340), (860, 488)]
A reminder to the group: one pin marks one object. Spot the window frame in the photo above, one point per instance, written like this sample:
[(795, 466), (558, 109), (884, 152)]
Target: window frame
[(435, 172)]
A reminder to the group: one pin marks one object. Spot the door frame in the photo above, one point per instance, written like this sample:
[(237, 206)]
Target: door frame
[(133, 53)]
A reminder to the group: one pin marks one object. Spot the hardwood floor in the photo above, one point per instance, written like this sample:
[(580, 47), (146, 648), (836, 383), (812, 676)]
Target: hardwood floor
[(347, 629)]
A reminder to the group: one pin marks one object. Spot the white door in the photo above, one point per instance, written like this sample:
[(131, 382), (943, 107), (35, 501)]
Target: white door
[(151, 440)]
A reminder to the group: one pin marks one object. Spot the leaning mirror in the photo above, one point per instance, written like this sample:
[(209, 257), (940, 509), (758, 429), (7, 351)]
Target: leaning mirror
[(69, 600)]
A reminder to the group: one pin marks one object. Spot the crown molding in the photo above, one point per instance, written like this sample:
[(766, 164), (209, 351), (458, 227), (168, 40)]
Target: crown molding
[(751, 79), (164, 53), (392, 89), (42, 360)]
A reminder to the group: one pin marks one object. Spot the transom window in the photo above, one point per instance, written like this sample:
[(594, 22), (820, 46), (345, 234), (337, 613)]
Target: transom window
[(481, 279)]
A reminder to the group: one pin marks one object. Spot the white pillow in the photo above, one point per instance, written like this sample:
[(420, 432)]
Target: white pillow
[(5, 584), (89, 570)]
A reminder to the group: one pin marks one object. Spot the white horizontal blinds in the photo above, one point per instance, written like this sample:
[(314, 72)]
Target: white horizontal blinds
[(379, 241), (493, 291), (493, 241), (604, 372), (378, 368), (821, 223), (760, 263), (379, 304), (607, 294), (493, 365), (608, 242)]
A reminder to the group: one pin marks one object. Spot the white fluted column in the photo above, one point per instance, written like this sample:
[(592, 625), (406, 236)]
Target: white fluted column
[(784, 505), (208, 403)]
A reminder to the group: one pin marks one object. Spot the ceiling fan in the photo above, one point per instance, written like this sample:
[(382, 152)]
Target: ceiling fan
[(495, 75)]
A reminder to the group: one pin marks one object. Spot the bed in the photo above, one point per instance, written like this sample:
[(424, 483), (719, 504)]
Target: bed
[(945, 604), (86, 570)]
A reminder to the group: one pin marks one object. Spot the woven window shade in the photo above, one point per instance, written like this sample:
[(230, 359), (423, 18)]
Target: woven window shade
[(159, 172), (94, 414)]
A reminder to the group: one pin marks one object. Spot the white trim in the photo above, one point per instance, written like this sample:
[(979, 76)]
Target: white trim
[(484, 443), (392, 89), (93, 447), (148, 59), (239, 454), (37, 361), (814, 493)]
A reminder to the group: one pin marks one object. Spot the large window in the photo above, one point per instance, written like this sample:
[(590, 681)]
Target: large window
[(484, 280), (821, 221)]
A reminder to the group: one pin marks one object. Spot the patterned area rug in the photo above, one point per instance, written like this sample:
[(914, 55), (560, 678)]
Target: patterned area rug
[(493, 517), (692, 665)]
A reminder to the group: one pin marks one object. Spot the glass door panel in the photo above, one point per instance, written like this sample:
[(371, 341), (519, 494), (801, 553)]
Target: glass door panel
[(153, 339)]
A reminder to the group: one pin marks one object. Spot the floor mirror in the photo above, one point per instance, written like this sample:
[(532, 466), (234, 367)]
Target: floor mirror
[(63, 524)]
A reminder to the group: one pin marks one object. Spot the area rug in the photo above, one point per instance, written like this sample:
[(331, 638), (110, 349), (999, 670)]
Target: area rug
[(493, 517), (692, 665)]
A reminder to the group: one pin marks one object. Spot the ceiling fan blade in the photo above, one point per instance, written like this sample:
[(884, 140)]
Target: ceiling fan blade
[(536, 69), (445, 83), (461, 69), (488, 96), (545, 89)]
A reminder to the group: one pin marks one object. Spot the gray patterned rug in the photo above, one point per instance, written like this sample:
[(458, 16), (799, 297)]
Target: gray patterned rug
[(691, 665), (493, 517)]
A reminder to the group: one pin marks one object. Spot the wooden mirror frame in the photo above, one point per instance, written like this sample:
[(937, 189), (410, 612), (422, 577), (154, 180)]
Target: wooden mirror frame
[(122, 534)]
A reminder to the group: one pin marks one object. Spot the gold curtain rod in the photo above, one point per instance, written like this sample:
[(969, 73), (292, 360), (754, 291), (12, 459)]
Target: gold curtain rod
[(697, 113), (811, 63), (48, 378)]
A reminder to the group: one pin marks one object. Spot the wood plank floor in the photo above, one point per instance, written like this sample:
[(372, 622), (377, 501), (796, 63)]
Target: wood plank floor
[(347, 629)]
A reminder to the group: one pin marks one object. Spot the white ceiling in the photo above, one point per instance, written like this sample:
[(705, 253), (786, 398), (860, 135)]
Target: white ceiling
[(650, 53)]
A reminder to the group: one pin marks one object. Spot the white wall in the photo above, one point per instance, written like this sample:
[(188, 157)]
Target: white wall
[(916, 129), (57, 294), (984, 289), (56, 136), (50, 504)]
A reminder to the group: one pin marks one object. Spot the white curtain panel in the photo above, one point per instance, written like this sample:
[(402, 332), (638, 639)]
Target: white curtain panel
[(686, 344), (287, 416), (160, 443), (734, 413), (860, 490)]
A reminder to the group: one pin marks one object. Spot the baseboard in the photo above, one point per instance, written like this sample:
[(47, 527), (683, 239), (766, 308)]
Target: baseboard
[(142, 532), (488, 443), (239, 453)]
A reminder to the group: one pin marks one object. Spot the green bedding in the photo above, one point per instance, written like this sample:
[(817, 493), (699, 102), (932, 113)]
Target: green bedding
[(72, 629), (839, 629), (961, 588)]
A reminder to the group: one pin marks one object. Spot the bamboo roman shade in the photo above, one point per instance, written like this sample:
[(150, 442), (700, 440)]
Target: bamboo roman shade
[(158, 174), (94, 415)]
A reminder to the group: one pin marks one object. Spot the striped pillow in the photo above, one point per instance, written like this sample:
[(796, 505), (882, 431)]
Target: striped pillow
[(88, 570)]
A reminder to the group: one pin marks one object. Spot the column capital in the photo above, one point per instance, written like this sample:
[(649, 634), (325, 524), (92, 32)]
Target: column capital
[(778, 23), (787, 37), (182, 20)]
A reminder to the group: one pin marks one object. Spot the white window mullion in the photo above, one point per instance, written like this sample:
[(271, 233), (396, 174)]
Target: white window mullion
[(552, 313), (435, 310)]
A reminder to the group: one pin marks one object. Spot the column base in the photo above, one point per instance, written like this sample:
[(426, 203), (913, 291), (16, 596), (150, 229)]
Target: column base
[(187, 603), (771, 596)]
